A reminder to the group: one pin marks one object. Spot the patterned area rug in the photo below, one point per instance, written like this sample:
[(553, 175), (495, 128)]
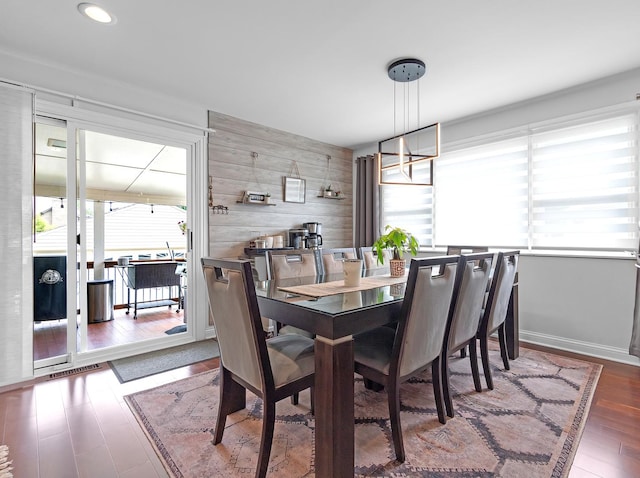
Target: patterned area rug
[(5, 469), (529, 425)]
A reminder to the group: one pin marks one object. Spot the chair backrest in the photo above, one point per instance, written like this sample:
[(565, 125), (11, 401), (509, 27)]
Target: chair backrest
[(504, 276), (370, 260), (458, 250), (236, 317), (468, 299), (425, 311), (333, 259), (294, 263)]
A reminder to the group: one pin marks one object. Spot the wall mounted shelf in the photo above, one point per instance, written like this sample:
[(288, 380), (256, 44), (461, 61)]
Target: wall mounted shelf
[(256, 203), (332, 197)]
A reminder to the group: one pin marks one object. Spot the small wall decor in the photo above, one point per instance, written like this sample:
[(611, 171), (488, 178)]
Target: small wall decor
[(294, 187)]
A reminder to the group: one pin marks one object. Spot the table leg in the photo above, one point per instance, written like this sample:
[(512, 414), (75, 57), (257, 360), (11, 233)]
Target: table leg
[(512, 325), (334, 407)]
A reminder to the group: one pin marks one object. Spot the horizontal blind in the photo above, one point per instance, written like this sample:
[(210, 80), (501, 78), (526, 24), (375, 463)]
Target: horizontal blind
[(585, 186), (481, 195), (409, 206)]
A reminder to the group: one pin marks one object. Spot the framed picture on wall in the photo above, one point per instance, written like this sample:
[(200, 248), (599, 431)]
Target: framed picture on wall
[(294, 189)]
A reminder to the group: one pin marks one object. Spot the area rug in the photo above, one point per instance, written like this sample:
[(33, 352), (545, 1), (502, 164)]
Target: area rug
[(143, 365), (5, 469), (178, 329), (529, 425)]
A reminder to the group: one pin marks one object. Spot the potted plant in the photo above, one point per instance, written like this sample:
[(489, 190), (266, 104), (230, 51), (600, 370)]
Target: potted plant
[(399, 241)]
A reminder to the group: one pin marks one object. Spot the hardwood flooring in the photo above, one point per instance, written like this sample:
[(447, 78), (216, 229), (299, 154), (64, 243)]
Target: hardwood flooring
[(80, 426)]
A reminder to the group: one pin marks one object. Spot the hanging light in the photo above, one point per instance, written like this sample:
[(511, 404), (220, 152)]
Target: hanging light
[(407, 158)]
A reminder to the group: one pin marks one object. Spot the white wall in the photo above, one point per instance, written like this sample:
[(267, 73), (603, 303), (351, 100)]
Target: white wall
[(85, 85), (583, 304)]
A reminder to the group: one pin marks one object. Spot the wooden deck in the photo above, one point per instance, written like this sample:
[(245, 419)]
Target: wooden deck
[(50, 337)]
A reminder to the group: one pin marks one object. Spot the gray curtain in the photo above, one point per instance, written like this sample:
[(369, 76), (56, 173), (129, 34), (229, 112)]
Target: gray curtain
[(367, 201)]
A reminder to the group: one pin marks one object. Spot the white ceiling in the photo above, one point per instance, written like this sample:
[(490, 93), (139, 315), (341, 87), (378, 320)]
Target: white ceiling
[(319, 68), (117, 168)]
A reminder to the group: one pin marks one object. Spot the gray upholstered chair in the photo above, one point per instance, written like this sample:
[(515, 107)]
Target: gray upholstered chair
[(389, 356), (272, 369), (458, 250), (292, 263), (333, 259), (495, 312), (465, 317), (370, 260), (288, 265)]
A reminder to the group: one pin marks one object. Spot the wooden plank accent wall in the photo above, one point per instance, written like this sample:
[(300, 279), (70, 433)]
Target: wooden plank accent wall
[(231, 168)]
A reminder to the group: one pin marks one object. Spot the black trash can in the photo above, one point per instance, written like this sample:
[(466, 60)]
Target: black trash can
[(99, 300)]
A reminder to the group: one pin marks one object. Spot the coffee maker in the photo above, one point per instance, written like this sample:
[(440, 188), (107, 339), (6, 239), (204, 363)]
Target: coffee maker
[(298, 238), (314, 239)]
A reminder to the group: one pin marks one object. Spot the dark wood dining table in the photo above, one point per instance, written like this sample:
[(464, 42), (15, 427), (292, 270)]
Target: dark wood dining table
[(334, 319)]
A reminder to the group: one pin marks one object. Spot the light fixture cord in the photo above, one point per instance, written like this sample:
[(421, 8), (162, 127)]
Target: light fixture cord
[(395, 107)]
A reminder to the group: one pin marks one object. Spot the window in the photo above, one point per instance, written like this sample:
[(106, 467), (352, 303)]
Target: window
[(558, 186), (409, 206), (585, 186), (481, 195)]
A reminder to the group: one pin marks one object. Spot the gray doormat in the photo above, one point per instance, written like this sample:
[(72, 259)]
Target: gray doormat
[(143, 365)]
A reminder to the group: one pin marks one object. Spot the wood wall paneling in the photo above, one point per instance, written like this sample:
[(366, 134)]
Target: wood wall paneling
[(231, 167)]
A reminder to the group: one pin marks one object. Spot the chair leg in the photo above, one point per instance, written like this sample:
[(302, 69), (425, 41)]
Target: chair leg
[(446, 395), (484, 353), (371, 385), (393, 394), (436, 374), (233, 397), (268, 422), (295, 398), (312, 391), (463, 352), (473, 356), (502, 338)]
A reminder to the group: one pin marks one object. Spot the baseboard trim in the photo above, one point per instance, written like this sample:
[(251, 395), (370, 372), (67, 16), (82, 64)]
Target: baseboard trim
[(585, 348)]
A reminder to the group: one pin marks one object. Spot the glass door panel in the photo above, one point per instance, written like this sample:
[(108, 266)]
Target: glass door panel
[(50, 246), (132, 242)]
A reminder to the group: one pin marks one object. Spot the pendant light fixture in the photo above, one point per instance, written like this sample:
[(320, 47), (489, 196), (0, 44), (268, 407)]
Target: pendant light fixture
[(407, 157)]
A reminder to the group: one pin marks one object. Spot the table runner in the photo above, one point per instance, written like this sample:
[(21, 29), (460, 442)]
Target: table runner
[(337, 287)]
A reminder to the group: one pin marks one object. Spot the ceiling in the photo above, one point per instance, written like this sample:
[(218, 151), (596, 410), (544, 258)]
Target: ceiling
[(319, 69), (117, 169)]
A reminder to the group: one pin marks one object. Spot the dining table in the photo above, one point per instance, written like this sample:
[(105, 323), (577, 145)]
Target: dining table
[(334, 313)]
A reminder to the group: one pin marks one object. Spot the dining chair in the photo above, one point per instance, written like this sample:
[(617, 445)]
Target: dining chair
[(390, 357), (333, 259), (495, 313), (287, 264), (290, 264), (370, 260), (464, 321), (272, 369), (458, 250)]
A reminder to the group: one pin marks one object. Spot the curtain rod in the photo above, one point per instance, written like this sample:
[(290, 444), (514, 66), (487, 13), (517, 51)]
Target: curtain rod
[(106, 105)]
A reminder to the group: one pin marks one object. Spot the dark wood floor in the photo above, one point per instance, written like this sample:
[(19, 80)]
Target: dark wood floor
[(80, 426)]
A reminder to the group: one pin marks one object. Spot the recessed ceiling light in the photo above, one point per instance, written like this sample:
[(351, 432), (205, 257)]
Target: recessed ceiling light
[(96, 13)]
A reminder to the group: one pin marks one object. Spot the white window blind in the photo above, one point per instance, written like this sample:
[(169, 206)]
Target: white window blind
[(585, 186), (481, 195), (16, 282), (409, 206)]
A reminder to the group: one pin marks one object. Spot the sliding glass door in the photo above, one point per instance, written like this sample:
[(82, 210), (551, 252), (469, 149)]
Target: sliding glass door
[(105, 204)]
